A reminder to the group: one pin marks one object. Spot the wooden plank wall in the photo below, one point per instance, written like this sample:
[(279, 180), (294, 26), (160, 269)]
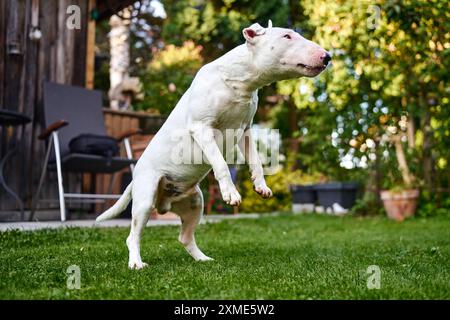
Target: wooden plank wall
[(59, 56)]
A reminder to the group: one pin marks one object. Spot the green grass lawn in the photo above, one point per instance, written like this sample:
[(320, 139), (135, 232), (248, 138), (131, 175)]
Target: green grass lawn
[(284, 257)]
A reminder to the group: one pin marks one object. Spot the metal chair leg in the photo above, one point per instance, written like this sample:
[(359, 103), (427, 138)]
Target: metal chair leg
[(62, 203), (129, 152), (41, 180)]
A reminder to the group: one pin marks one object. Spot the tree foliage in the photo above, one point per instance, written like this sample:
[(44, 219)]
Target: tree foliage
[(168, 75), (389, 77), (217, 25), (390, 71)]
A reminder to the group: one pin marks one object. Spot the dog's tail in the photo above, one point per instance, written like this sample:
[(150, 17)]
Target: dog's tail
[(118, 207)]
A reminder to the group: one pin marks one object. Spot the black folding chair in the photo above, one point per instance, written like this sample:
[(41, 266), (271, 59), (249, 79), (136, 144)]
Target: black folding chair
[(70, 111)]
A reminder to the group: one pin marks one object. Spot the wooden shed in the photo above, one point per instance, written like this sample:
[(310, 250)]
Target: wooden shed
[(62, 54)]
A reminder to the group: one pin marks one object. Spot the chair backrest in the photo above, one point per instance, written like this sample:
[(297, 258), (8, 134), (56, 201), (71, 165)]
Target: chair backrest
[(81, 107)]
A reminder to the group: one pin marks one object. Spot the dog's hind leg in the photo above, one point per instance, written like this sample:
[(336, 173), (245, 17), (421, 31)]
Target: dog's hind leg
[(190, 210), (145, 188)]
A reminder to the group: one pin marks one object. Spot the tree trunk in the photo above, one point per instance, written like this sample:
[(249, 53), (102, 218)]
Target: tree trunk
[(377, 172), (411, 133), (401, 159), (119, 39)]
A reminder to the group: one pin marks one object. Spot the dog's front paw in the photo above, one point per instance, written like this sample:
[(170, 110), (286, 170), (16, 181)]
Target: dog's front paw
[(263, 190), (231, 196)]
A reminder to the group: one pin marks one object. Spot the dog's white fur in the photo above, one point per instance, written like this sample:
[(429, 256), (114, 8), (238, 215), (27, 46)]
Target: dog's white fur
[(223, 95)]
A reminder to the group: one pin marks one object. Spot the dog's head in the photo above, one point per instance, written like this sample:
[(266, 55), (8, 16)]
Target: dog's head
[(284, 53)]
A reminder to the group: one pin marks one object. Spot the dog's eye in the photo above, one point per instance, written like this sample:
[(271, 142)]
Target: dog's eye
[(287, 36)]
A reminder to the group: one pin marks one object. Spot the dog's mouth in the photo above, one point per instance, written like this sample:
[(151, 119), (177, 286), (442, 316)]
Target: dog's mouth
[(312, 68)]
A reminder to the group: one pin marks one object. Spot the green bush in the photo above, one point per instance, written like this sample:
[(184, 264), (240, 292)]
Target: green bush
[(368, 205), (433, 206), (168, 76)]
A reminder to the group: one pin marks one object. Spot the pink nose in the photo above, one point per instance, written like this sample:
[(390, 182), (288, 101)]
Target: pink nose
[(325, 57)]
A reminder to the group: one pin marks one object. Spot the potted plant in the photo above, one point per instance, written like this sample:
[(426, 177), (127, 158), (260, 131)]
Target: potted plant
[(400, 200), (400, 203)]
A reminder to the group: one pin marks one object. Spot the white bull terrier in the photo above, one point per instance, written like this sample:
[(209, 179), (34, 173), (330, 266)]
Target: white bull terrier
[(223, 95)]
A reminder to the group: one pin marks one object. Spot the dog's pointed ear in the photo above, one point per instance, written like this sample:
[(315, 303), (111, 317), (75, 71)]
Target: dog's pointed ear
[(269, 24), (252, 33)]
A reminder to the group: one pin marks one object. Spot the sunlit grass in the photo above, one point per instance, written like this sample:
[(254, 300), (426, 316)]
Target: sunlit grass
[(286, 257)]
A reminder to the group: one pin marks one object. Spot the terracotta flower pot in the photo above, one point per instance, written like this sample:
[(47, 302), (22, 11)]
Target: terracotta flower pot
[(400, 205)]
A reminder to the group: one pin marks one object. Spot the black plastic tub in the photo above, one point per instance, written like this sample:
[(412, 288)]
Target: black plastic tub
[(343, 193), (303, 194)]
